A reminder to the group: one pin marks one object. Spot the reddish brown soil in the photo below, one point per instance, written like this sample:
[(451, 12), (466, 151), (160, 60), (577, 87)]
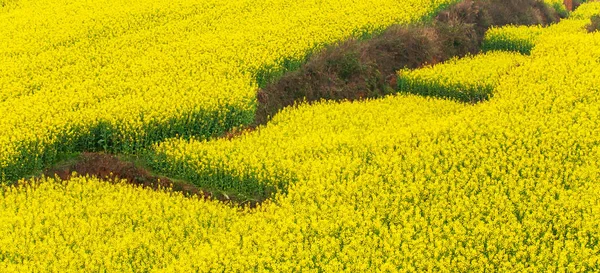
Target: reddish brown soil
[(238, 132), (569, 4), (595, 24), (111, 168)]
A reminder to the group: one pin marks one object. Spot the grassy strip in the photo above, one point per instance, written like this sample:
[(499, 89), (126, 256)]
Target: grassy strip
[(471, 79), (511, 38), (216, 177), (346, 61), (32, 157), (460, 92)]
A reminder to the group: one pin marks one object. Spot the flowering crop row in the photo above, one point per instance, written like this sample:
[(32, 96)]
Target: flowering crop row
[(522, 38), (119, 75), (470, 79)]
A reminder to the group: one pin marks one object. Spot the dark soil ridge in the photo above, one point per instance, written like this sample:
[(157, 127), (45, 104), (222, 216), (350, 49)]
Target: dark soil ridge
[(355, 69), (114, 169)]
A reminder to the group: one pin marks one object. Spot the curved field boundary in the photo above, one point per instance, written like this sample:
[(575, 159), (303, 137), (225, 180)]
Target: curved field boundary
[(117, 76), (523, 38), (351, 70), (366, 68)]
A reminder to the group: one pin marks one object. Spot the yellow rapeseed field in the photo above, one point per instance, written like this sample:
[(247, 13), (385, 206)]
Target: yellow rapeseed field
[(400, 184), (119, 75), (408, 183)]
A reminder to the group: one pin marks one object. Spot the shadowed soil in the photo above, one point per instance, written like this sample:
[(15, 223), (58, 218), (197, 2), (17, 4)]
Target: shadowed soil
[(112, 168), (594, 25)]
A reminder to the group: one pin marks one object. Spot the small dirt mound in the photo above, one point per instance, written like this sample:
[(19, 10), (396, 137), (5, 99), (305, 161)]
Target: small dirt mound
[(112, 168)]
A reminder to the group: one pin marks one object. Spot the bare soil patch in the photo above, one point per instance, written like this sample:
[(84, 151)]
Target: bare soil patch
[(594, 25), (112, 168)]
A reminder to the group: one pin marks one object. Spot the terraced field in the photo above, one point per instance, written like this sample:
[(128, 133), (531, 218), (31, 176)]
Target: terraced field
[(488, 162), (118, 76)]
